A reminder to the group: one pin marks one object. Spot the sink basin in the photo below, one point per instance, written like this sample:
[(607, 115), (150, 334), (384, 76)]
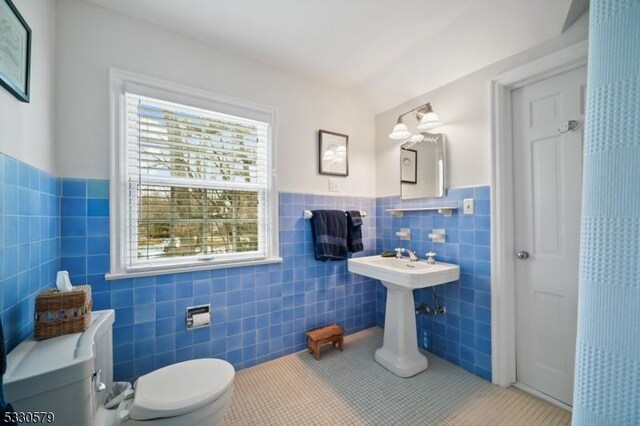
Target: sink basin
[(404, 273), (399, 352)]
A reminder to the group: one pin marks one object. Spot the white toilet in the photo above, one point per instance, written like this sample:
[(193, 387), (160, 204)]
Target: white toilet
[(71, 375)]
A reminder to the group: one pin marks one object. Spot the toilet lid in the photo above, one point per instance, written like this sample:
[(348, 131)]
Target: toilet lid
[(180, 388)]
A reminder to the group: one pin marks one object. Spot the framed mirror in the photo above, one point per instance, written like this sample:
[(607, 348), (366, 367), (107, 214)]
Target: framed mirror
[(422, 163)]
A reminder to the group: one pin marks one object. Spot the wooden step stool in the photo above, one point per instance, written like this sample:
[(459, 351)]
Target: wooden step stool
[(332, 333)]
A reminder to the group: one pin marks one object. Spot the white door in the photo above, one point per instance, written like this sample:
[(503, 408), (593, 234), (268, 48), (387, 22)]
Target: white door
[(548, 189)]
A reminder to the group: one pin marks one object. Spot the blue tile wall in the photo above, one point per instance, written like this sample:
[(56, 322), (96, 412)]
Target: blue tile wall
[(463, 334), (259, 312), (29, 243)]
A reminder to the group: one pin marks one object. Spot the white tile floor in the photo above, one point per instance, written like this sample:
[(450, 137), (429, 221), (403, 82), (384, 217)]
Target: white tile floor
[(350, 388)]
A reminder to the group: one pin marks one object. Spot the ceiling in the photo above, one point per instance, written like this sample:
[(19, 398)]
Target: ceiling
[(385, 50)]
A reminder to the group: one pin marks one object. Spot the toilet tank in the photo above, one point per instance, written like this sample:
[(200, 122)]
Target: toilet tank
[(59, 375)]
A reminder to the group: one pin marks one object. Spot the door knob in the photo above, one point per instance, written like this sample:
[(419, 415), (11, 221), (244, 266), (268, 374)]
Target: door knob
[(523, 255), (569, 126)]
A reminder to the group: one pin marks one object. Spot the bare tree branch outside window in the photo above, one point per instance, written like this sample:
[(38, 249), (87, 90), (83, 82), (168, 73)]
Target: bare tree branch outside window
[(203, 214)]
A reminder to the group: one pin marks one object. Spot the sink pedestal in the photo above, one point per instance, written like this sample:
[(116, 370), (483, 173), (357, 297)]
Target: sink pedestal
[(399, 352)]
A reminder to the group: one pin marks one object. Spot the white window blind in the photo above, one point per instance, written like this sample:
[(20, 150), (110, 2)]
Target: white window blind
[(197, 185)]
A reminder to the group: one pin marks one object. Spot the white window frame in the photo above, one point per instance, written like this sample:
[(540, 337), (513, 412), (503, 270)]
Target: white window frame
[(119, 82)]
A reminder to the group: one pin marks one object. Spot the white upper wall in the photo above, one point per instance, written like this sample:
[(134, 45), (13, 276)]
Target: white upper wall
[(27, 129), (91, 39), (464, 106), (388, 50), (488, 32)]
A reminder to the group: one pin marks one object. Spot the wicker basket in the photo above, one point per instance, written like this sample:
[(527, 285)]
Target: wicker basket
[(58, 313)]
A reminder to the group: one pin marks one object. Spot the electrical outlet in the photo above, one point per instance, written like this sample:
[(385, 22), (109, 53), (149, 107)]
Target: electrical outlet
[(468, 205), (334, 185)]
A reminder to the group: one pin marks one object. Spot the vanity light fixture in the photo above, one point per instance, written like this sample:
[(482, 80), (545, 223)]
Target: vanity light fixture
[(429, 120), (426, 117), (400, 131)]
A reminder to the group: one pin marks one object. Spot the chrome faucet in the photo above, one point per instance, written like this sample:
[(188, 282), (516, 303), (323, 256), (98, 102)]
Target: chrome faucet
[(412, 256)]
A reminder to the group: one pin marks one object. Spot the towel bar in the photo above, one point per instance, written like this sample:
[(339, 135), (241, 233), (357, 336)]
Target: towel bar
[(308, 214)]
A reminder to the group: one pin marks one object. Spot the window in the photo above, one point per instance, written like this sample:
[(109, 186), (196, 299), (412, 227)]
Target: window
[(195, 186)]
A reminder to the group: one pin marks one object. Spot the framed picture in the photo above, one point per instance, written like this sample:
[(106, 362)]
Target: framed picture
[(15, 51), (333, 156), (409, 165)]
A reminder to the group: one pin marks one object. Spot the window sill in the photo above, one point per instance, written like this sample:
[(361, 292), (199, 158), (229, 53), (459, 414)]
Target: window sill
[(188, 268)]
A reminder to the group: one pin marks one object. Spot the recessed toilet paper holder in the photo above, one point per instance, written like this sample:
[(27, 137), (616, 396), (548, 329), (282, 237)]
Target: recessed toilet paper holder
[(198, 316)]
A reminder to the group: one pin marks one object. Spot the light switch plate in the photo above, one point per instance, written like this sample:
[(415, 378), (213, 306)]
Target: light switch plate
[(334, 185), (468, 205)]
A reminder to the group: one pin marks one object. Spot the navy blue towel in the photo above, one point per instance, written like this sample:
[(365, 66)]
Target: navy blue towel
[(329, 230), (354, 231), (4, 406)]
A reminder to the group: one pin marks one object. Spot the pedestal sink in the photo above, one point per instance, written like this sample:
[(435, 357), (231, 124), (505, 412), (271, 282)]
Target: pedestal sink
[(399, 352)]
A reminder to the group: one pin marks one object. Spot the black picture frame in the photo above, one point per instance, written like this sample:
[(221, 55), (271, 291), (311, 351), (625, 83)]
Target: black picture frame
[(333, 153), (9, 36), (410, 156)]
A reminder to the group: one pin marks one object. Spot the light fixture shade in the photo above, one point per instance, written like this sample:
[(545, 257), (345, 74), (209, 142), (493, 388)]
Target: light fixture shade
[(429, 121), (400, 131)]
